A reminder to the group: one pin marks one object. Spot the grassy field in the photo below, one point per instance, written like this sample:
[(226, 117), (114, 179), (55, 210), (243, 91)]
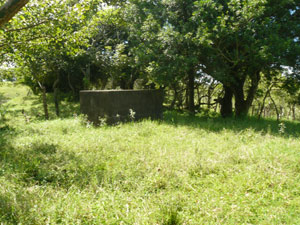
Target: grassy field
[(181, 170)]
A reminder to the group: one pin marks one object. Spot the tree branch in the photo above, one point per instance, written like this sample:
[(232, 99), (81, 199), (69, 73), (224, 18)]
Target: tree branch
[(9, 9), (28, 27), (21, 42)]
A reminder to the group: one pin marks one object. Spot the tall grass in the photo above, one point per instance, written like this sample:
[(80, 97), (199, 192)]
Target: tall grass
[(181, 170)]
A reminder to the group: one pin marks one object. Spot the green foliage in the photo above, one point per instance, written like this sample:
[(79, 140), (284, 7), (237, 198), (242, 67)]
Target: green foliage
[(45, 37), (73, 45), (163, 37), (243, 39)]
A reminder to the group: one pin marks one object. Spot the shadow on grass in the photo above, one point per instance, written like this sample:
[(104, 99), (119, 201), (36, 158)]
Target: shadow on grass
[(44, 164), (218, 124), (16, 206), (34, 109), (67, 109), (38, 164), (3, 99)]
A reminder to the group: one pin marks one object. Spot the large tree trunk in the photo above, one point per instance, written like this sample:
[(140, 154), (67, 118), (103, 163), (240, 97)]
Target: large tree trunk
[(9, 9), (226, 102), (243, 105)]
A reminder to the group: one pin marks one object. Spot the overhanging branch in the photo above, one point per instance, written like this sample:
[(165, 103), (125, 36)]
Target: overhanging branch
[(9, 9)]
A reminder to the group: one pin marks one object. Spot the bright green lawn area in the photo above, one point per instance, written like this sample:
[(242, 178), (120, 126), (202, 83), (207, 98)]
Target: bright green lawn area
[(182, 170)]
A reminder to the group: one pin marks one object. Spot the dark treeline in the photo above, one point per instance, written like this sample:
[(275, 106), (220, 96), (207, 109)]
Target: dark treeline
[(227, 56)]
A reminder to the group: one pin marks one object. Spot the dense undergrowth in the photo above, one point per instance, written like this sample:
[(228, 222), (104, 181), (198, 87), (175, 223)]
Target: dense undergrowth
[(181, 170)]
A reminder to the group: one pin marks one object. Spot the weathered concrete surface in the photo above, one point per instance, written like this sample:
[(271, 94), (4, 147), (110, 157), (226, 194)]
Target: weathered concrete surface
[(115, 105)]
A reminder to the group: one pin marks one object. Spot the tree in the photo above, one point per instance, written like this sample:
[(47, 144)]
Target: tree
[(240, 40), (163, 35), (9, 9), (42, 43), (170, 44)]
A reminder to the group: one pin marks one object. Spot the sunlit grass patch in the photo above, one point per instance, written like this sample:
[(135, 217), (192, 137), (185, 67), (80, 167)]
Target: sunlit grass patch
[(181, 170)]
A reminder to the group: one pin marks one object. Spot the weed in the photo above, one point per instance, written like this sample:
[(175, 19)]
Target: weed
[(102, 120), (171, 218), (131, 114), (282, 128)]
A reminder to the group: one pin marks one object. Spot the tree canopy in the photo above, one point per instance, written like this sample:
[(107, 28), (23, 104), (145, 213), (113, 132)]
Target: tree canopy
[(176, 45)]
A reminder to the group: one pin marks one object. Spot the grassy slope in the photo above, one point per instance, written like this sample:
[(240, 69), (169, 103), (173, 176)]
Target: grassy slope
[(183, 170)]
